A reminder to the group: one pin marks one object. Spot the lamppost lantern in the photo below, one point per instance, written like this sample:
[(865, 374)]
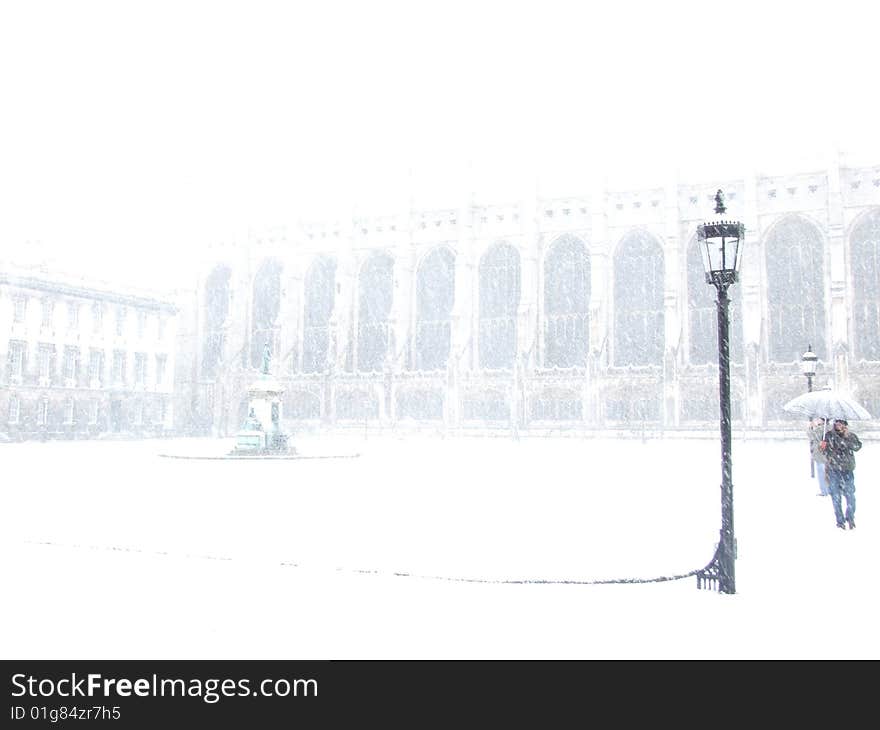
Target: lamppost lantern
[(721, 244), (808, 363)]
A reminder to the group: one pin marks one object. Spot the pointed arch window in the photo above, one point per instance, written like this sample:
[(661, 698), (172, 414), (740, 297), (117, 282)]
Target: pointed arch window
[(435, 296), (795, 290), (217, 292), (376, 292), (320, 295), (266, 306), (638, 301), (499, 300), (865, 258), (566, 304)]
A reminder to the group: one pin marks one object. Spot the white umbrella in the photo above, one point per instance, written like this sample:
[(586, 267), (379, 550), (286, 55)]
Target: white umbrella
[(828, 404)]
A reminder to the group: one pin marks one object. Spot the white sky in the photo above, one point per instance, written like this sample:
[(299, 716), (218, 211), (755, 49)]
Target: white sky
[(133, 132)]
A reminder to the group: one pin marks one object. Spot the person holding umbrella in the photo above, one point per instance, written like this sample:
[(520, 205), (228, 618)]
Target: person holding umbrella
[(816, 434), (839, 447)]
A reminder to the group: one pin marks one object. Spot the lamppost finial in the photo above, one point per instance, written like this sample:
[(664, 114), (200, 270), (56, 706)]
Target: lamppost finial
[(719, 203)]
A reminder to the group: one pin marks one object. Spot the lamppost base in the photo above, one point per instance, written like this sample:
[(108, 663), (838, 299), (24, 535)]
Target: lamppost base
[(713, 577), (709, 578)]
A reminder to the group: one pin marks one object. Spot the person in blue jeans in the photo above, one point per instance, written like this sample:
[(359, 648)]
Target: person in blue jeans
[(839, 446), (816, 434)]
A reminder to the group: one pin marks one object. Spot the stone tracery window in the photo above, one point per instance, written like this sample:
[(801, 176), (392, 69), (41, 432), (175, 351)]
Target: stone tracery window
[(499, 300), (320, 295), (795, 290), (865, 259), (638, 301), (266, 306), (420, 404), (566, 304), (376, 291), (356, 405), (301, 405), (556, 404), (217, 291), (435, 296), (487, 405)]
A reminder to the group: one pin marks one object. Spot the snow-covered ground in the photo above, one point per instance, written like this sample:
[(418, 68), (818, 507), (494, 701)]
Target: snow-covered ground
[(110, 550)]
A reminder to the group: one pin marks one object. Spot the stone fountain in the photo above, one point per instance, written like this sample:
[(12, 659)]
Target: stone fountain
[(261, 433)]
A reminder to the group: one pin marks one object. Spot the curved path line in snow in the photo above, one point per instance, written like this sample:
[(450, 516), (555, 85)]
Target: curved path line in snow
[(121, 549), (256, 458), (394, 574)]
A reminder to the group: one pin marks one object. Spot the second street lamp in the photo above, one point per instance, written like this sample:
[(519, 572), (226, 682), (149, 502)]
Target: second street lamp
[(720, 244), (808, 363)]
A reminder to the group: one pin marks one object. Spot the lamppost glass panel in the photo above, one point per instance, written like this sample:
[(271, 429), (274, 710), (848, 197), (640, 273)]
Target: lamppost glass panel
[(720, 244), (808, 362)]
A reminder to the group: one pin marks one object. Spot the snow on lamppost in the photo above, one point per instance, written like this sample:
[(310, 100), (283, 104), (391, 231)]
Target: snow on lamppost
[(720, 244)]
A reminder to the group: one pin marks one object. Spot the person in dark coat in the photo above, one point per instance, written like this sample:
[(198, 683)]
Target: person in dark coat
[(840, 445)]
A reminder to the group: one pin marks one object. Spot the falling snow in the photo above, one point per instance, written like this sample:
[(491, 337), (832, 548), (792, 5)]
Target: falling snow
[(402, 551)]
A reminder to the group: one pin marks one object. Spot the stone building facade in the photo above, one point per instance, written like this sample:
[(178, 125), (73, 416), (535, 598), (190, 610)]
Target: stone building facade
[(585, 312), (82, 361)]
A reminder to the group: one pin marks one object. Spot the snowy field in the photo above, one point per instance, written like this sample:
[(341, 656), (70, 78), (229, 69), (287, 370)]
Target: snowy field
[(111, 550)]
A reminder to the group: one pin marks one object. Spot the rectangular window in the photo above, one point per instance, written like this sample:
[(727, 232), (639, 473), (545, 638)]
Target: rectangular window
[(72, 316), (42, 412), (93, 412), (142, 324), (14, 409), (120, 321), (160, 412), (48, 313), (45, 361), (97, 317), (139, 413), (160, 369), (140, 369), (118, 366), (96, 367), (16, 359), (161, 327), (69, 412), (71, 359), (19, 309)]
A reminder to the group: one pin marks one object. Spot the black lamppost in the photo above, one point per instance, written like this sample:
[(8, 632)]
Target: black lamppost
[(808, 363), (720, 244)]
